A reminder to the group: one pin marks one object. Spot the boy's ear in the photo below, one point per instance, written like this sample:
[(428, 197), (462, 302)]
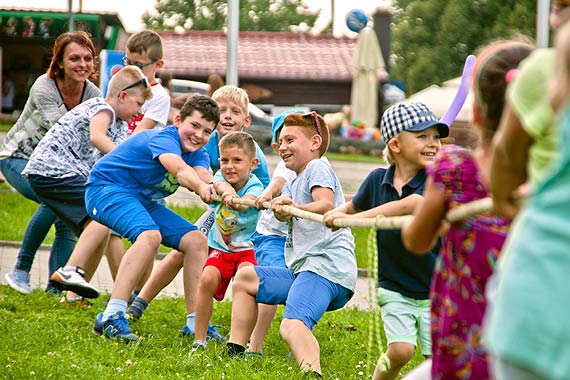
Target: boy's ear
[(247, 122), (394, 145), (275, 147), (177, 120), (316, 142), (158, 64), (254, 163)]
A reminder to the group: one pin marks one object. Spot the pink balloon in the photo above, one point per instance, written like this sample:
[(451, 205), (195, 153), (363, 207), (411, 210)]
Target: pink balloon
[(462, 92)]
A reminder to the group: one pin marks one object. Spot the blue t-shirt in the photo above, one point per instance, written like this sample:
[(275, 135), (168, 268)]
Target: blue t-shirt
[(233, 229), (261, 171), (398, 269), (134, 164)]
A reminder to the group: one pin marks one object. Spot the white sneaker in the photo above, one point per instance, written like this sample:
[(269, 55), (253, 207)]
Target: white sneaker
[(19, 280), (74, 281)]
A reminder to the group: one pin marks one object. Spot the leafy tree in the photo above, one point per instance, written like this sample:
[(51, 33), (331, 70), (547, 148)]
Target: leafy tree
[(432, 38), (254, 15)]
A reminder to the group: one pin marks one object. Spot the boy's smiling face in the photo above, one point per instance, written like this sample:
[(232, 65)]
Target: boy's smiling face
[(236, 165), (297, 148), (232, 118), (194, 131), (419, 148)]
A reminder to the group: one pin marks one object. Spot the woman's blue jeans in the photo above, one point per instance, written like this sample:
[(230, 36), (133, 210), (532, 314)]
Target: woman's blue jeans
[(40, 223)]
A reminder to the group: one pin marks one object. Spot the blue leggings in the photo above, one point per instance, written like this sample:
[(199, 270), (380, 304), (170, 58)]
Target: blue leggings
[(40, 223)]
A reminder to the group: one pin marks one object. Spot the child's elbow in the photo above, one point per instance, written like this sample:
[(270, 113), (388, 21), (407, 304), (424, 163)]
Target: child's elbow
[(415, 245)]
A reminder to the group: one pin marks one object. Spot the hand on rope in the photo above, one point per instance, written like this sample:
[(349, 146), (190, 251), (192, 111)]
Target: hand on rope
[(480, 206)]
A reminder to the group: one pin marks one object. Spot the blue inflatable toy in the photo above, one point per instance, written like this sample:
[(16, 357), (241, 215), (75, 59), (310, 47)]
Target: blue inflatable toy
[(356, 20)]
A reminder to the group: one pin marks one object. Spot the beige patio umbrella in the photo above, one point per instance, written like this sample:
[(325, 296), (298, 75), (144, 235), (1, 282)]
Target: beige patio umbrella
[(367, 61)]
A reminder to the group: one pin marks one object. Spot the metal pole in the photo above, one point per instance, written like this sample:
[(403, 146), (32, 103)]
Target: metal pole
[(542, 27), (232, 43), (70, 15)]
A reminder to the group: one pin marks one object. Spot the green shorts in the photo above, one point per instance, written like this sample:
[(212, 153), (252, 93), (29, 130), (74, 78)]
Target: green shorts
[(406, 320)]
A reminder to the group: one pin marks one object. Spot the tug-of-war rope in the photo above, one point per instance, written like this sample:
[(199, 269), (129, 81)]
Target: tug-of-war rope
[(459, 213)]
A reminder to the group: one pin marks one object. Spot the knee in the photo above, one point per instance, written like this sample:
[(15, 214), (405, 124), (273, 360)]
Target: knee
[(245, 279), (152, 238), (194, 243), (400, 354), (208, 281), (288, 326)]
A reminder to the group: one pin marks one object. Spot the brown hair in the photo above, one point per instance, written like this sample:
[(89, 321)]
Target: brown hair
[(490, 82), (146, 42), (312, 124), (79, 37), (240, 139), (204, 104)]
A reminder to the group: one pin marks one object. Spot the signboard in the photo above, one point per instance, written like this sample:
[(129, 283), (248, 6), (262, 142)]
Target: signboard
[(45, 25), (111, 62)]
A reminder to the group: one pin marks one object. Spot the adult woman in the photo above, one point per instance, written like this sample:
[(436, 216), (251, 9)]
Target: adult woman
[(65, 85)]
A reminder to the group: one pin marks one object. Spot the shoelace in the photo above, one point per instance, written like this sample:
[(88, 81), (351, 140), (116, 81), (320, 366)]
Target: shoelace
[(122, 324)]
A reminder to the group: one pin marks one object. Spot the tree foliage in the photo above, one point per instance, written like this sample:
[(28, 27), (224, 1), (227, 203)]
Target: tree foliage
[(432, 38), (254, 15)]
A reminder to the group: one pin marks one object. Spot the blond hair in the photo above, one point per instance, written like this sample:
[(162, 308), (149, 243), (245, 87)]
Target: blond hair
[(126, 77), (234, 95)]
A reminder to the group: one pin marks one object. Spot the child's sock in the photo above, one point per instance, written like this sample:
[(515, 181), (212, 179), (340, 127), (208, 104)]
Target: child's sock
[(190, 320), (199, 344), (235, 349), (113, 307), (137, 308), (68, 268)]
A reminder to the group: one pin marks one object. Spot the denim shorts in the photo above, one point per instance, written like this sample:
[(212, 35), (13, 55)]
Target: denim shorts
[(65, 197), (405, 319), (269, 250), (130, 215), (306, 296)]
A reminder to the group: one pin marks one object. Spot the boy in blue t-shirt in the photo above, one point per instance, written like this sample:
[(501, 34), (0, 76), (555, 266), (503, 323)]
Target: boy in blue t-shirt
[(412, 135), (317, 258), (234, 116), (123, 193), (229, 239)]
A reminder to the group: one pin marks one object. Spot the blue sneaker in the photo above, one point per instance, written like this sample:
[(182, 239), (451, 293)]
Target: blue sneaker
[(211, 333), (98, 326), (116, 327), (19, 280)]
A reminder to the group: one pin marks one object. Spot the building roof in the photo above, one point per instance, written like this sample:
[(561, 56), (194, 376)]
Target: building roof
[(261, 55)]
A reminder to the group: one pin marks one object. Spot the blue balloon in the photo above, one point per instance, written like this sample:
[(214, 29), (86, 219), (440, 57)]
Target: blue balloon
[(356, 20)]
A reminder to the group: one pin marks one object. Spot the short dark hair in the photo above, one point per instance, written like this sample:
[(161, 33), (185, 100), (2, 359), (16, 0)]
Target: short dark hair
[(207, 107)]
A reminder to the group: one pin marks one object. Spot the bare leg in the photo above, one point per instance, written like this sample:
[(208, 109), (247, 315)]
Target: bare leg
[(89, 248), (114, 252), (145, 276), (399, 354), (211, 278), (194, 246), (265, 316), (134, 263), (303, 344), (163, 275), (244, 307)]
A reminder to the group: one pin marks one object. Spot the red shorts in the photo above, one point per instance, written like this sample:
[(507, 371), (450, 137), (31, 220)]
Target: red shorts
[(228, 263)]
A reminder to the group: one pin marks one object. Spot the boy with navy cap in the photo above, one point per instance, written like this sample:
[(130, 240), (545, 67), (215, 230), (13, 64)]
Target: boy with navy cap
[(412, 135)]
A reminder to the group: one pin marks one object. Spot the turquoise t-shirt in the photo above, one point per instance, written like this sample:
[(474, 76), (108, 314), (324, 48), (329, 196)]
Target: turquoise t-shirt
[(232, 229), (528, 323)]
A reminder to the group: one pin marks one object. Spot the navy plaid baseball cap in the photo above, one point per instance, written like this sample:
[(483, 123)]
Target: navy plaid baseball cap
[(413, 117)]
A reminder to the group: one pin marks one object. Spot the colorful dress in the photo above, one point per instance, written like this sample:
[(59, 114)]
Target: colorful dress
[(467, 260)]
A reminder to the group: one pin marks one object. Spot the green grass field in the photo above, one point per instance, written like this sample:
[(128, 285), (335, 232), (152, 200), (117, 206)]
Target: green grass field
[(44, 340)]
